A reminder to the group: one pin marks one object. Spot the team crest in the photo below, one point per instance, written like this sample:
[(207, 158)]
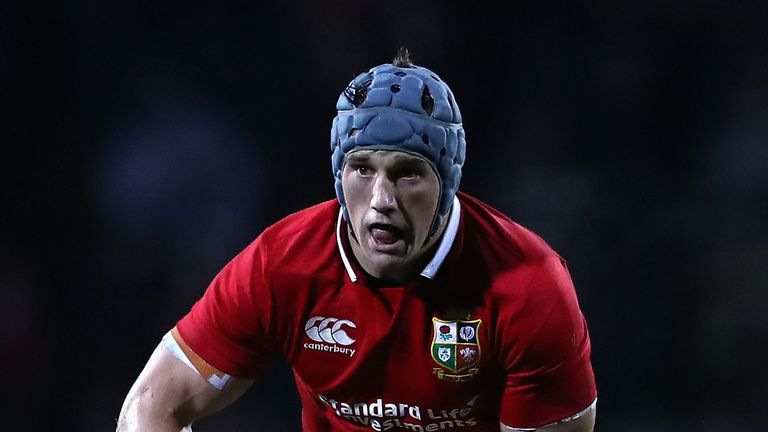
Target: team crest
[(456, 349)]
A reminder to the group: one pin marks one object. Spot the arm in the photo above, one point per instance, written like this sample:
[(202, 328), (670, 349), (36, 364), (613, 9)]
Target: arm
[(226, 327), (549, 373), (584, 423), (168, 395)]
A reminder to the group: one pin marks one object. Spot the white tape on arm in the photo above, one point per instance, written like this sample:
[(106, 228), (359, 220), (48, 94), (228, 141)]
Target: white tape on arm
[(218, 380), (171, 345)]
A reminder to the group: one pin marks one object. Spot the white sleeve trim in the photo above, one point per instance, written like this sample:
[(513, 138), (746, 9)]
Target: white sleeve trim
[(579, 414)]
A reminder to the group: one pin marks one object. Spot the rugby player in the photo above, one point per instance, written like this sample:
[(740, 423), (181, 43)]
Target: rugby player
[(401, 305)]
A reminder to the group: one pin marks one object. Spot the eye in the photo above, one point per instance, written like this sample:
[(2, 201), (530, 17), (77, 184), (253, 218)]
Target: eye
[(363, 171), (408, 173)]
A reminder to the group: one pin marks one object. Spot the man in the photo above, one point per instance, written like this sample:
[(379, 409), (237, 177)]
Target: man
[(403, 305)]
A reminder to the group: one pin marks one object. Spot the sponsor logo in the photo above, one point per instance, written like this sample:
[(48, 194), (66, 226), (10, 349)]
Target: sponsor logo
[(330, 332), (381, 415), (456, 349)]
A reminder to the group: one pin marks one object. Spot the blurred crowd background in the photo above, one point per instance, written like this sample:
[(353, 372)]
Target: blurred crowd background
[(146, 143)]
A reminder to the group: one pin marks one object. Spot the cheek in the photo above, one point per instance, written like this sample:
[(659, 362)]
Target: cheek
[(424, 205), (355, 193)]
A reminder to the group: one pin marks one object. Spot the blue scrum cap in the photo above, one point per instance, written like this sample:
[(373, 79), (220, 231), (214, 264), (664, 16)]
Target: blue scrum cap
[(406, 108)]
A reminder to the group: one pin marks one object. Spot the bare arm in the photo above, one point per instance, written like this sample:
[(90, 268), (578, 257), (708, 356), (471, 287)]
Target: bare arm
[(168, 395)]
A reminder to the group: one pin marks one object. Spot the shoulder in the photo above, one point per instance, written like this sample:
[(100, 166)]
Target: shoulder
[(498, 238), (317, 220), (525, 273), (301, 238)]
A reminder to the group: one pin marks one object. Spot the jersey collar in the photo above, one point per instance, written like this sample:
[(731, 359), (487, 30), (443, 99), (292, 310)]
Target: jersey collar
[(433, 266)]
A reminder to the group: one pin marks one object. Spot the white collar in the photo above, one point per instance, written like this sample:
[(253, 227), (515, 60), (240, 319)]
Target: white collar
[(442, 250)]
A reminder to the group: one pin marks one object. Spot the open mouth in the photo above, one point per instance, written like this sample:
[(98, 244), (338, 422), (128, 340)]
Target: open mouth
[(386, 237)]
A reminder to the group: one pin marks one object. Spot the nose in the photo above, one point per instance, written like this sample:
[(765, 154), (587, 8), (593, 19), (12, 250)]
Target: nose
[(383, 198)]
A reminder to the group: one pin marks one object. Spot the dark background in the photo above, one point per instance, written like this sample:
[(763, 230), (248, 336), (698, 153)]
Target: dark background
[(146, 143)]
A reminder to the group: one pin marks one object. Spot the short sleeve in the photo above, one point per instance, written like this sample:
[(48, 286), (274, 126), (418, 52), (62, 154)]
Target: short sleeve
[(548, 370), (228, 326)]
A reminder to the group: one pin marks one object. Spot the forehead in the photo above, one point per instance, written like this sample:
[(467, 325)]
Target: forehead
[(385, 157)]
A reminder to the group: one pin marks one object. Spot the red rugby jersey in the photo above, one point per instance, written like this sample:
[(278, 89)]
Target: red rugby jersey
[(490, 331)]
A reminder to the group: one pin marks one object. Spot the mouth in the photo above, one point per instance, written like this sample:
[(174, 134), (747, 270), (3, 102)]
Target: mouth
[(387, 238)]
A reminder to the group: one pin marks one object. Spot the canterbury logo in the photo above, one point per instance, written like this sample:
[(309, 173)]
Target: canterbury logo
[(322, 329)]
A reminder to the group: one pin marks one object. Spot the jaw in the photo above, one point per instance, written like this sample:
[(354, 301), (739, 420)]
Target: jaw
[(385, 259), (382, 261), (389, 268)]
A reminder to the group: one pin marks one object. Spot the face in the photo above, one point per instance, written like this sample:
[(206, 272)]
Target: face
[(391, 198)]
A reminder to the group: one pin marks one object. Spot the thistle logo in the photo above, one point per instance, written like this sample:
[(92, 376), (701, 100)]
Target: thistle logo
[(329, 331)]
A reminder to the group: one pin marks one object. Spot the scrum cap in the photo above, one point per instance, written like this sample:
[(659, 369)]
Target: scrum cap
[(407, 108)]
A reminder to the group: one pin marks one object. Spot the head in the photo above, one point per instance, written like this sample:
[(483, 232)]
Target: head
[(398, 149)]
